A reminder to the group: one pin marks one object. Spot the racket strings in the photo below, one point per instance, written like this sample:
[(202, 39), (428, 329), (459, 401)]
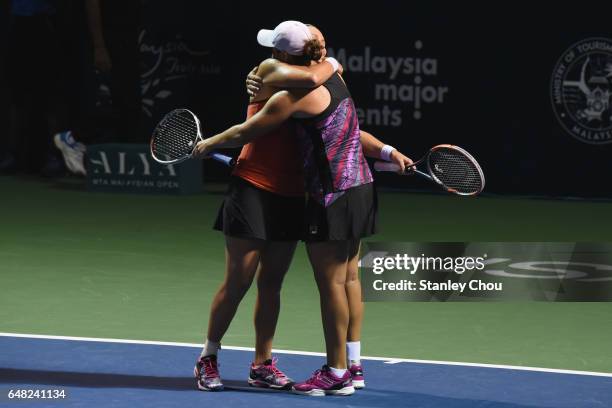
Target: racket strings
[(456, 171), (175, 136)]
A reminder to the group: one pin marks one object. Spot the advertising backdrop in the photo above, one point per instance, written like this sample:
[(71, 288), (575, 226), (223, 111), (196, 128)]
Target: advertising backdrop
[(527, 93)]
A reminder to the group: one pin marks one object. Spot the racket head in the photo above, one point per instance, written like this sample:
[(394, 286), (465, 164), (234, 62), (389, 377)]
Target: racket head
[(175, 137), (455, 170)]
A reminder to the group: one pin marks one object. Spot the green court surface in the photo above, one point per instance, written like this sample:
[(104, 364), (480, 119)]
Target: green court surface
[(76, 263)]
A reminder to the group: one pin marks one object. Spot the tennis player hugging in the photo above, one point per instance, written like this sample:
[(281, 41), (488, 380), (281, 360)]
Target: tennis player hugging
[(302, 136)]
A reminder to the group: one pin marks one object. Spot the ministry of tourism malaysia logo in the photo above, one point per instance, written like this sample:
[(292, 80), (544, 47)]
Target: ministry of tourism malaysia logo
[(582, 90)]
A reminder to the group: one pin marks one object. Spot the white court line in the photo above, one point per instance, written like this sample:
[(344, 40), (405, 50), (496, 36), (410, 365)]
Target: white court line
[(387, 360)]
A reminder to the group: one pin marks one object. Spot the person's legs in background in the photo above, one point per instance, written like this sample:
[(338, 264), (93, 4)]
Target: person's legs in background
[(72, 76), (121, 38)]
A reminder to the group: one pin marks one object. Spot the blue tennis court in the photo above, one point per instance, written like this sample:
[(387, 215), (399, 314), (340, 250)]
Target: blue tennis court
[(107, 374)]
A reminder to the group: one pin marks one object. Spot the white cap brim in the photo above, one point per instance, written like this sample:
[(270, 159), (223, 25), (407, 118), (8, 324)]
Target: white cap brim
[(265, 37)]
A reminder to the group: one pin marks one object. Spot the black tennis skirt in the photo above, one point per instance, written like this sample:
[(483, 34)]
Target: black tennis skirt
[(352, 216), (252, 213)]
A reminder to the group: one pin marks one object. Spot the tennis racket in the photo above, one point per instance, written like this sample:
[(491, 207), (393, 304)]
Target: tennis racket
[(176, 136), (451, 167)]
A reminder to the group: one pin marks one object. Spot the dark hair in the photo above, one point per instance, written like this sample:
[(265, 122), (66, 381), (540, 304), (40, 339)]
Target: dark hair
[(313, 51)]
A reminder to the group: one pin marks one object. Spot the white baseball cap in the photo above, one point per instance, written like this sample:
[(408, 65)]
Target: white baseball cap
[(289, 36)]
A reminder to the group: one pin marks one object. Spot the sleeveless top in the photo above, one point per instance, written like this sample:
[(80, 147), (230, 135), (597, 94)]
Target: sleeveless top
[(272, 162), (331, 147)]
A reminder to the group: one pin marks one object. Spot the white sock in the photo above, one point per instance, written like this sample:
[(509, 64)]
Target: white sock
[(353, 352), (338, 372), (210, 348)]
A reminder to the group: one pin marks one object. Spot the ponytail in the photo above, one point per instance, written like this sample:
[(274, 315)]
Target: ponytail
[(313, 50)]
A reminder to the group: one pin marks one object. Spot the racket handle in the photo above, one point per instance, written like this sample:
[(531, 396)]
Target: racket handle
[(227, 160), (386, 166)]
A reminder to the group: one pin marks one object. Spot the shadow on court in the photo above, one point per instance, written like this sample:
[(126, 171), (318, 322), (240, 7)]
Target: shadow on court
[(75, 379), (365, 398), (105, 380)]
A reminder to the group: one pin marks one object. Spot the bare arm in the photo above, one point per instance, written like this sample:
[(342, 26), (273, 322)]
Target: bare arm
[(372, 147), (280, 75), (102, 59), (95, 23), (277, 110)]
